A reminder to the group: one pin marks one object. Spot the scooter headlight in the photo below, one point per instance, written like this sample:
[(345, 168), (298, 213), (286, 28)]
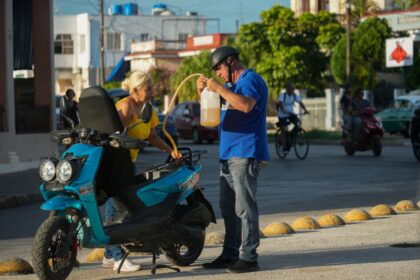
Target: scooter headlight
[(47, 170), (65, 171)]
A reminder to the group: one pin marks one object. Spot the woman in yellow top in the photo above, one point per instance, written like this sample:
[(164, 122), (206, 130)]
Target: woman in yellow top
[(140, 87)]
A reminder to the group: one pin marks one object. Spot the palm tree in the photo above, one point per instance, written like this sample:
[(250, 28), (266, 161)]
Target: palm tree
[(359, 9)]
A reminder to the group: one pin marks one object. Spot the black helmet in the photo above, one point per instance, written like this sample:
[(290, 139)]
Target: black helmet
[(220, 54)]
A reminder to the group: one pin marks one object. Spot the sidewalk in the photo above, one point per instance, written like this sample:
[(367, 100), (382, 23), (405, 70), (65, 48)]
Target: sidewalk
[(19, 188)]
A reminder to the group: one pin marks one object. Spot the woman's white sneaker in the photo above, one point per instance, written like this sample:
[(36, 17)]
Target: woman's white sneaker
[(109, 263), (127, 266)]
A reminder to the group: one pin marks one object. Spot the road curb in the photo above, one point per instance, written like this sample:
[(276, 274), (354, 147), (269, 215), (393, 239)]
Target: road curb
[(9, 201)]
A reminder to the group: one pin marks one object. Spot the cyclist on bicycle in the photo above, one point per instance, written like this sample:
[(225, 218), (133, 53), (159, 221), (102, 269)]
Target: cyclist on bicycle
[(285, 111)]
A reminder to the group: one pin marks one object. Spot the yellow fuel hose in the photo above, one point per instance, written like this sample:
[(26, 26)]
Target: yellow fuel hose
[(171, 104)]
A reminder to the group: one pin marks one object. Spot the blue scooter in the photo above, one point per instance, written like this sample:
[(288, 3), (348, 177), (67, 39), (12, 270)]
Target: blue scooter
[(163, 208)]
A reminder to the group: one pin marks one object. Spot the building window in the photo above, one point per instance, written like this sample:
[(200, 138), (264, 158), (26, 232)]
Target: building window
[(113, 41), (144, 36), (82, 44), (182, 37), (63, 44)]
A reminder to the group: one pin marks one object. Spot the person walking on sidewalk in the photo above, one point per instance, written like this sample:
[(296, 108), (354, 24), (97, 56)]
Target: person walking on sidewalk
[(243, 152)]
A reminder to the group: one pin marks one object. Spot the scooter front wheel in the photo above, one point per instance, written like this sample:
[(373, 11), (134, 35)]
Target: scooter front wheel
[(53, 254)]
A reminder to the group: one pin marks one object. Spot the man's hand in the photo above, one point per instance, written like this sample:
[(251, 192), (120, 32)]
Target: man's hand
[(201, 83), (213, 85)]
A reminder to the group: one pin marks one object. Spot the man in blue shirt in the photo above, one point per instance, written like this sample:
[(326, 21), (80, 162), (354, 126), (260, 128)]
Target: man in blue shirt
[(243, 152)]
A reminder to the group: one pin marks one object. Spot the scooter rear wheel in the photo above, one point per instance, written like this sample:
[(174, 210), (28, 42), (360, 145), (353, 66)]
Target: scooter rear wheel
[(186, 252), (50, 259)]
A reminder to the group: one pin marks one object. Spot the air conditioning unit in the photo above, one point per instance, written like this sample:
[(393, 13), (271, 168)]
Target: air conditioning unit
[(23, 74)]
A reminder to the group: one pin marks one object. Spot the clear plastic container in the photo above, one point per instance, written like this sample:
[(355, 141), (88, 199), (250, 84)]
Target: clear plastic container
[(210, 108)]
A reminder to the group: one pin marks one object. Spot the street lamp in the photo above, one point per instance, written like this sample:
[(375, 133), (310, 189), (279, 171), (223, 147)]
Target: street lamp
[(348, 13)]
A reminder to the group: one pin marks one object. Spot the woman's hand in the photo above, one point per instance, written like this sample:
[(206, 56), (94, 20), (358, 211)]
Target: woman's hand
[(176, 154)]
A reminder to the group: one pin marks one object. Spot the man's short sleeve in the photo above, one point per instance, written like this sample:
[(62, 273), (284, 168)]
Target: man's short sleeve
[(250, 87), (298, 98)]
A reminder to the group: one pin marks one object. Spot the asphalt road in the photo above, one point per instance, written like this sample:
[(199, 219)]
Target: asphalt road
[(326, 180)]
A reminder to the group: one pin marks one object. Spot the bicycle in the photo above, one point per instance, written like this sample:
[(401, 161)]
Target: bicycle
[(297, 137)]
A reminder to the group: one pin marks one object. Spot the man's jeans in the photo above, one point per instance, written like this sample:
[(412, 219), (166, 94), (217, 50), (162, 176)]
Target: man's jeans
[(238, 203)]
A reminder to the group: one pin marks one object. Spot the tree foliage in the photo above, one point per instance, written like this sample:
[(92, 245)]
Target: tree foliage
[(284, 48), (190, 65), (367, 53), (160, 78), (413, 74)]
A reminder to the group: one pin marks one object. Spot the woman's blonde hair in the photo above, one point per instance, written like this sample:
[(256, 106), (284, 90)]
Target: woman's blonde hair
[(136, 79)]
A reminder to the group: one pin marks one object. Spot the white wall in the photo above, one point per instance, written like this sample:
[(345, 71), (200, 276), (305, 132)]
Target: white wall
[(83, 65)]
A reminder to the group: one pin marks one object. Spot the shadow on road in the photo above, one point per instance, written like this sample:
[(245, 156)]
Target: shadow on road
[(308, 261)]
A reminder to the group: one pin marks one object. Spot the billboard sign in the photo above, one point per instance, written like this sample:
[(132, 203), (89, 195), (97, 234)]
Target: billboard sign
[(399, 52)]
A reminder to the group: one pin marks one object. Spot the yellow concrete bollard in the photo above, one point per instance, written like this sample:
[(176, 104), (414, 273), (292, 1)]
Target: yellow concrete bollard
[(381, 210), (215, 238), (95, 255), (330, 220), (356, 215), (262, 235), (275, 229), (305, 223), (405, 206), (15, 266)]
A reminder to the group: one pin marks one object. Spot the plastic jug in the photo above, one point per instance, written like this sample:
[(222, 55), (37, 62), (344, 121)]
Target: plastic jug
[(210, 108)]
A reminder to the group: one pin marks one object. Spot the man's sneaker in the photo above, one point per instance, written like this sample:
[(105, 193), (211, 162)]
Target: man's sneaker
[(220, 262), (242, 266), (109, 263), (127, 266)]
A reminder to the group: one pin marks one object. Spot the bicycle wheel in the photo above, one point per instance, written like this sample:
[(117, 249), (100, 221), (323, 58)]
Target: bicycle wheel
[(301, 144), (280, 149)]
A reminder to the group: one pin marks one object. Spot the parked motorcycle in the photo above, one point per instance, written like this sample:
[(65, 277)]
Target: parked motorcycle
[(370, 135), (165, 210), (415, 133)]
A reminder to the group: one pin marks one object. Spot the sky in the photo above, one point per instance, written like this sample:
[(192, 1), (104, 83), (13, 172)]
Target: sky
[(228, 11)]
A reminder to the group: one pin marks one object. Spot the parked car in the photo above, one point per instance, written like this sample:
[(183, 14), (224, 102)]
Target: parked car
[(117, 94), (187, 120), (397, 118)]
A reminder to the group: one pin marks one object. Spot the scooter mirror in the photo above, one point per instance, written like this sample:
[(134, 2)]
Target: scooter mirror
[(146, 112)]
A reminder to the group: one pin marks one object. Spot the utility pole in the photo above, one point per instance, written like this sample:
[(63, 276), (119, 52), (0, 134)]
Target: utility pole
[(348, 45), (101, 44)]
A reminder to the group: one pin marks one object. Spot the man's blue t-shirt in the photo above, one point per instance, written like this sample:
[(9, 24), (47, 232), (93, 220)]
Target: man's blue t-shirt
[(244, 135)]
